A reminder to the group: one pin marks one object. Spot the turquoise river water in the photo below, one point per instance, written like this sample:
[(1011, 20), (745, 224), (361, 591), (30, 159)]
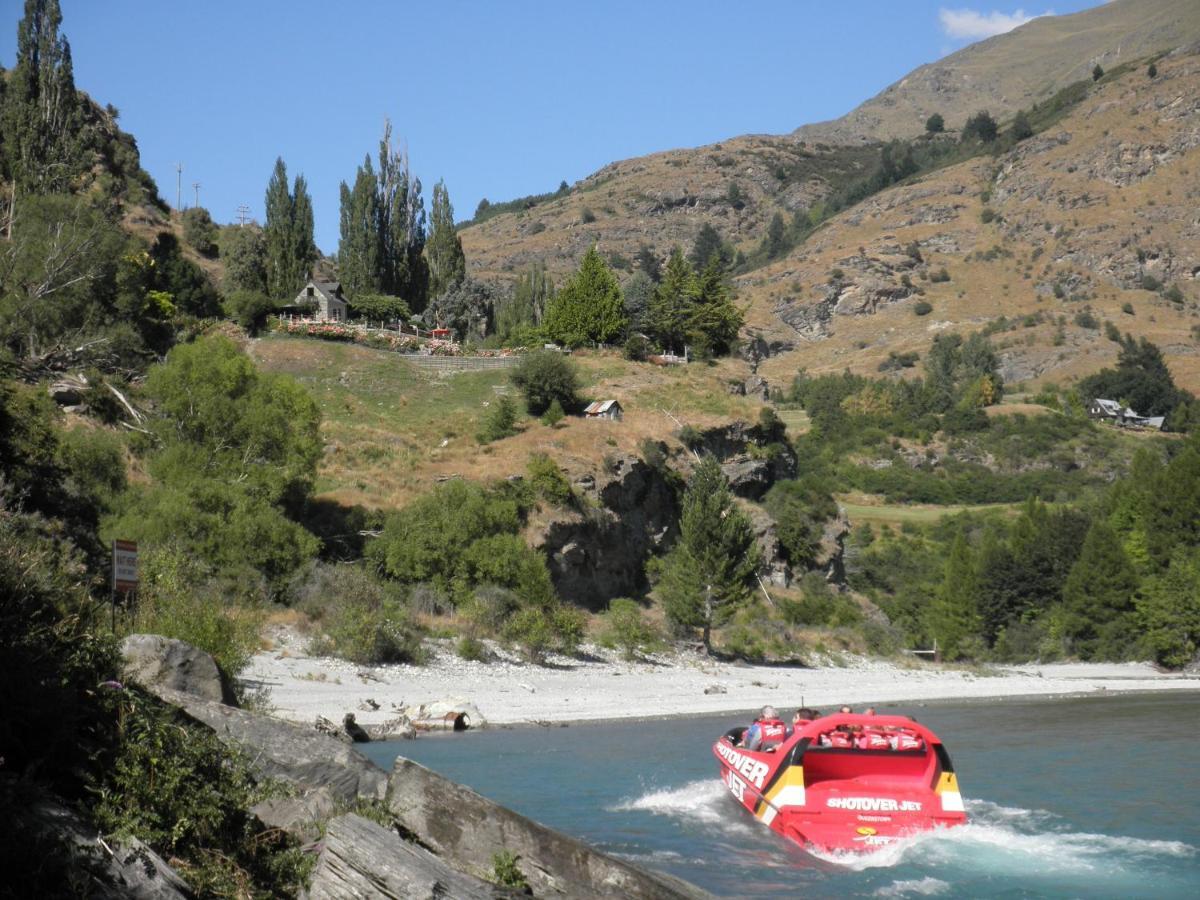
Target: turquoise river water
[(1091, 797)]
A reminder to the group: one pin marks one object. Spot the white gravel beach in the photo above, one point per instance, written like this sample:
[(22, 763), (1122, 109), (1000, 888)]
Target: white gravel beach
[(601, 685)]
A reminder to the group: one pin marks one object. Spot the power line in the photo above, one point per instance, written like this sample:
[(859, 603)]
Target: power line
[(178, 184), (242, 210), (196, 186)]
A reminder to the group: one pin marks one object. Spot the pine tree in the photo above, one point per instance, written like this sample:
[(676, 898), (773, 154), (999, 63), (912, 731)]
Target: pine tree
[(1021, 129), (359, 250), (954, 613), (443, 252), (709, 571), (588, 307), (708, 244), (671, 307), (1168, 611), (715, 321), (1098, 597)]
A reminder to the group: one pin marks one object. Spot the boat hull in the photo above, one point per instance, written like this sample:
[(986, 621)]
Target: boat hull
[(846, 782)]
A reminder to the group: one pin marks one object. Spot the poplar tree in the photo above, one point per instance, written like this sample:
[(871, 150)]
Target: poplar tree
[(401, 224), (41, 120), (359, 250), (443, 252), (708, 574), (288, 234)]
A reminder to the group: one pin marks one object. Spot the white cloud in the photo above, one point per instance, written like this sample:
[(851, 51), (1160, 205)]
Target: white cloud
[(970, 24)]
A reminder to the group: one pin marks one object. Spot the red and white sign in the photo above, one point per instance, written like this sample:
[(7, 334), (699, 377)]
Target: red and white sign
[(125, 568)]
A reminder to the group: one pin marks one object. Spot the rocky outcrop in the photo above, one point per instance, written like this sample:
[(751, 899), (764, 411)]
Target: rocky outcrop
[(830, 558), (749, 476), (467, 829), (278, 749), (299, 816), (774, 570), (361, 860), (154, 661), (73, 852), (598, 553)]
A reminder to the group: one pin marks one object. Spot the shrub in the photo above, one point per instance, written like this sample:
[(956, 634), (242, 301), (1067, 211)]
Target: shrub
[(654, 453), (545, 376), (1085, 319), (922, 308), (586, 216), (1127, 308), (177, 600), (200, 231), (506, 872), (471, 649), (547, 480), (500, 421), (1152, 71), (1174, 294), (637, 348), (935, 124), (363, 618), (627, 629), (553, 415), (987, 214), (249, 309), (1112, 332), (1150, 283), (940, 276), (536, 630)]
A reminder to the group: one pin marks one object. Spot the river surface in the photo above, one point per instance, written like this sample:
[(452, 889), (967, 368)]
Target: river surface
[(1093, 797)]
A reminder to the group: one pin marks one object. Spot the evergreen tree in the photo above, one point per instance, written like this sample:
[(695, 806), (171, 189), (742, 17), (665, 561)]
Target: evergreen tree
[(1168, 611), (639, 293), (1098, 597), (244, 253), (42, 116), (935, 124), (359, 266), (715, 321), (443, 252), (708, 244), (1021, 129), (588, 307), (980, 126), (1097, 72), (775, 242), (526, 304), (288, 234), (648, 262), (954, 613), (709, 571), (671, 307)]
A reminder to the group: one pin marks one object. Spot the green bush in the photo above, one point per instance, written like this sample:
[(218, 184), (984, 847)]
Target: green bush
[(506, 872), (800, 509), (553, 415), (363, 619), (545, 376), (547, 480), (987, 214), (922, 308), (178, 600), (500, 421), (249, 309), (940, 276), (626, 628), (537, 630), (637, 348), (471, 649), (200, 231)]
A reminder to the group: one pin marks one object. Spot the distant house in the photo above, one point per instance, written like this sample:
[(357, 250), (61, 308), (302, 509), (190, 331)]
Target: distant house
[(604, 409), (327, 295), (1112, 411)]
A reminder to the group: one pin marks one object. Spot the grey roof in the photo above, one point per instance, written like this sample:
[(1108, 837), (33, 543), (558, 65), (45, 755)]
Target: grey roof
[(600, 407), (329, 288)]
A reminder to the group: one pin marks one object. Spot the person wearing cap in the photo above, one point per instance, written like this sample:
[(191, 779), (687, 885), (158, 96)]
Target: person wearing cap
[(767, 732)]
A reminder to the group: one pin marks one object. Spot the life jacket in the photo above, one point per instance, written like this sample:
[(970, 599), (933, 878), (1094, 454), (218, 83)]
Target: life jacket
[(909, 742), (873, 740), (841, 739), (772, 731)]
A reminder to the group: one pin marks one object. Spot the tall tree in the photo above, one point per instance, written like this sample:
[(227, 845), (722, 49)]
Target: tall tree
[(359, 250), (953, 613), (288, 234), (443, 251), (244, 253), (526, 304), (401, 222), (588, 307), (671, 306), (715, 321), (709, 571), (43, 150), (707, 245), (1098, 597)]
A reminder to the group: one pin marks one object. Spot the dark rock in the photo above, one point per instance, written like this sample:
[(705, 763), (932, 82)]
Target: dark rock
[(360, 859), (71, 850), (153, 660), (278, 749), (748, 476), (757, 386), (356, 732), (299, 816), (467, 830)]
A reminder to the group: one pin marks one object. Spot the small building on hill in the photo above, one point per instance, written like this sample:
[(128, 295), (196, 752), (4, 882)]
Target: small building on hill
[(1112, 411), (604, 409), (327, 295)]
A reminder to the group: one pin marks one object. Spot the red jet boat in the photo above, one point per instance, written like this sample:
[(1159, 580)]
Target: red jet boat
[(845, 781)]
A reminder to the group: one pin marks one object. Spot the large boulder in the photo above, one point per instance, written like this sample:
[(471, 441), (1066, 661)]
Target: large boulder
[(361, 860), (152, 661), (300, 816), (468, 830), (277, 749), (70, 856)]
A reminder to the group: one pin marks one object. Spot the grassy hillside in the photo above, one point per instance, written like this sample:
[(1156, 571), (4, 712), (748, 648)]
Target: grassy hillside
[(1014, 70)]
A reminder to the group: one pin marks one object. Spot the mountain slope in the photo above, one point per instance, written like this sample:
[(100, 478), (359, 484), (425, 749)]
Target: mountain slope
[(1014, 70), (1094, 219)]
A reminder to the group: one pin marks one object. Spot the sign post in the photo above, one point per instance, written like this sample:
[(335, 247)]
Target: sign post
[(124, 572)]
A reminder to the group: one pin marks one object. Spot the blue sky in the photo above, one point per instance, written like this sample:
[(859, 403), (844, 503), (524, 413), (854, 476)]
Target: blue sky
[(501, 99)]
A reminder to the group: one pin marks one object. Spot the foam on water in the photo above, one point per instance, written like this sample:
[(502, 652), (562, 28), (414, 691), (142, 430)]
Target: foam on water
[(700, 801), (920, 887)]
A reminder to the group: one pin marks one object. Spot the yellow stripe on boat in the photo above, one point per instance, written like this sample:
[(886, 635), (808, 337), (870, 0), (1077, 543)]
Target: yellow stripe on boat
[(788, 790)]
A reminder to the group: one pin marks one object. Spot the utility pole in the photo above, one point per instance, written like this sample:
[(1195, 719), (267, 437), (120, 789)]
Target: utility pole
[(242, 211), (196, 186), (178, 184)]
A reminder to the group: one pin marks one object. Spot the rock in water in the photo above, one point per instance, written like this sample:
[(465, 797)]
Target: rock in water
[(467, 830), (153, 660), (360, 859), (356, 732)]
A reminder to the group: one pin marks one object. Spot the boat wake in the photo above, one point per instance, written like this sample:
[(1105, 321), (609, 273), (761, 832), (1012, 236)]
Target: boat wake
[(705, 801)]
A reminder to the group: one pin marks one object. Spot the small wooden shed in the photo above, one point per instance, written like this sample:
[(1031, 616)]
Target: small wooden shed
[(604, 409)]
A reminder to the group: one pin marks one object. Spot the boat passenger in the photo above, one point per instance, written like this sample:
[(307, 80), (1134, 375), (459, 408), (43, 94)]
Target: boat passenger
[(767, 732)]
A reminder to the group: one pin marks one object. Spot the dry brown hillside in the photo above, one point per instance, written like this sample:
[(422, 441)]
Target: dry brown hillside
[(664, 199), (1061, 234), (1014, 70)]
